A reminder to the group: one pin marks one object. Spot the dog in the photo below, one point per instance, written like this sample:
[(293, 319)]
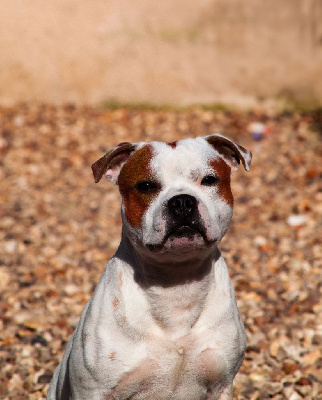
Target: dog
[(163, 321)]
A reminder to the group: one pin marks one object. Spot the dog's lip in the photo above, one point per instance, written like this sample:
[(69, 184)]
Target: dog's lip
[(181, 232)]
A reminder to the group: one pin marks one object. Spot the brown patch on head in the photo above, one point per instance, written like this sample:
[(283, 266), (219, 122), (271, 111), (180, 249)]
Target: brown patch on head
[(137, 169), (222, 171), (172, 144)]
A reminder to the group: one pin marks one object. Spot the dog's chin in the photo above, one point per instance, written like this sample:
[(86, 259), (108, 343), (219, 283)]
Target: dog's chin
[(183, 239)]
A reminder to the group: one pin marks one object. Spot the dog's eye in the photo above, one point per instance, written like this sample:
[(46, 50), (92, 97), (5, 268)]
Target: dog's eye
[(146, 187), (209, 180)]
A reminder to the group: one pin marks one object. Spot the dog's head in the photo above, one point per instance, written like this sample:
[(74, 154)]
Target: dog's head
[(176, 197)]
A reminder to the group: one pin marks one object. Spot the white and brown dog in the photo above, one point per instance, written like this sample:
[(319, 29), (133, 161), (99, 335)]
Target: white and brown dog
[(163, 322)]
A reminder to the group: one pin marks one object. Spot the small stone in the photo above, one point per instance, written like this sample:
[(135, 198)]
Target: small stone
[(71, 289), (308, 335), (11, 246), (303, 390), (15, 384), (4, 278), (255, 396), (295, 396), (257, 377), (3, 144), (304, 381), (297, 220), (26, 352), (19, 121), (260, 241), (39, 339), (27, 385), (20, 317), (33, 325), (317, 339), (270, 389), (289, 368), (274, 348), (45, 378), (7, 222), (312, 357), (23, 333), (317, 308)]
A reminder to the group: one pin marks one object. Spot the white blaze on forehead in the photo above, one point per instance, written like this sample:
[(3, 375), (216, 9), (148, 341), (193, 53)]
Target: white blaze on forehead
[(188, 159)]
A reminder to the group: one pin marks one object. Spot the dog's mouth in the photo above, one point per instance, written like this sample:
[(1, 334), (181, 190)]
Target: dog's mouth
[(186, 231), (182, 236)]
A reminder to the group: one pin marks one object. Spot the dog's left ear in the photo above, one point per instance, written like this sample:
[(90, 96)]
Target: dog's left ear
[(232, 152), (113, 161)]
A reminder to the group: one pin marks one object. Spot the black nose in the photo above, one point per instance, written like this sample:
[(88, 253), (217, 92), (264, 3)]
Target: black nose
[(182, 206)]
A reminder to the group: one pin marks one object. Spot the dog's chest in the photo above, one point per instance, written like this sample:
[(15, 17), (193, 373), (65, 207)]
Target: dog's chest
[(190, 367), (182, 344), (192, 363)]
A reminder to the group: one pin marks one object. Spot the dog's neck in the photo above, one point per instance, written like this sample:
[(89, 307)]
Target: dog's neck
[(165, 269), (176, 291)]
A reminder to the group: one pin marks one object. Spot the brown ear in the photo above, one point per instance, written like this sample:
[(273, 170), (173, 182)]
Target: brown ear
[(232, 152), (113, 161)]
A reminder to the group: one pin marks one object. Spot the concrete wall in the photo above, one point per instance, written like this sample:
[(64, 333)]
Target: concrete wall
[(174, 51)]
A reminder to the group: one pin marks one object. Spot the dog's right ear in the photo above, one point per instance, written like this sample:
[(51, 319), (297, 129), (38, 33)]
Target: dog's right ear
[(113, 161)]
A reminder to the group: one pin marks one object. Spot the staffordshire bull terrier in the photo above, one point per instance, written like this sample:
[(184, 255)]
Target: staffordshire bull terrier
[(163, 321)]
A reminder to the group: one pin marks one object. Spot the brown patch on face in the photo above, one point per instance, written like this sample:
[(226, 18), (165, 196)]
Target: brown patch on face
[(173, 145), (222, 171), (137, 169)]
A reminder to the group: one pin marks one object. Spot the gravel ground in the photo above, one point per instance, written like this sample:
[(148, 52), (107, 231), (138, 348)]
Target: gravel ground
[(58, 229)]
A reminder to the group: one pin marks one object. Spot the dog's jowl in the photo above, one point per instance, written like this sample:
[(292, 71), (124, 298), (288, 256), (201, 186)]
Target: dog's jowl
[(163, 321)]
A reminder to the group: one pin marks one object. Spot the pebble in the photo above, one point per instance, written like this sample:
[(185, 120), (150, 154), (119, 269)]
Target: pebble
[(270, 389), (297, 220), (295, 396), (274, 348), (15, 383), (256, 377), (4, 278), (260, 241), (71, 289), (11, 246), (7, 222), (26, 352), (312, 357)]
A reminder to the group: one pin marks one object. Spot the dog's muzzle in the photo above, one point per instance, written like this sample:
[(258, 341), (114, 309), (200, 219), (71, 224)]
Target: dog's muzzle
[(183, 217)]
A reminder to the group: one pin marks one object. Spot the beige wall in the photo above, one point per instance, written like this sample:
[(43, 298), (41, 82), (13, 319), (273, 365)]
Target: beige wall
[(172, 51)]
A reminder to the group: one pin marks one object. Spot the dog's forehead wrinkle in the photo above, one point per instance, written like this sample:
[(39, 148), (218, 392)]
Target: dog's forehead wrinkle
[(188, 160)]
